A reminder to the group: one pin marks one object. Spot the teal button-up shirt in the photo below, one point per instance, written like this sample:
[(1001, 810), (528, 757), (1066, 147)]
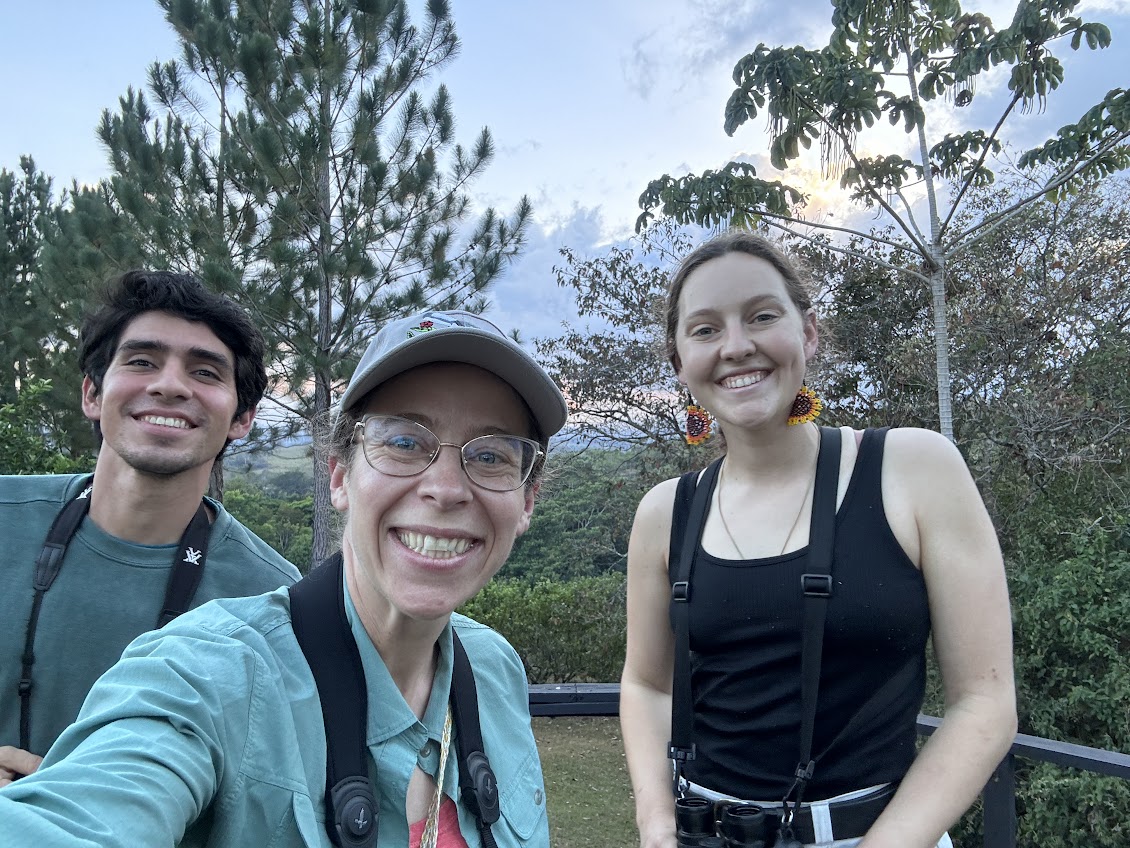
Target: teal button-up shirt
[(209, 733)]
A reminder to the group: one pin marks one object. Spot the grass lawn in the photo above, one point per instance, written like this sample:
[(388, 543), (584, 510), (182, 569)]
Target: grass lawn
[(586, 783)]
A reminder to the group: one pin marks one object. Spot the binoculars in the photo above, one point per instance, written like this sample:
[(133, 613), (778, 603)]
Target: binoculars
[(701, 824)]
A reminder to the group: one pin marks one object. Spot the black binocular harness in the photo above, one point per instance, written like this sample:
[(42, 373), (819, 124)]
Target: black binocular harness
[(816, 586), (317, 611), (184, 579)]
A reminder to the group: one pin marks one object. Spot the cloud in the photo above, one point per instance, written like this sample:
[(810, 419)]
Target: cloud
[(704, 39), (527, 298)]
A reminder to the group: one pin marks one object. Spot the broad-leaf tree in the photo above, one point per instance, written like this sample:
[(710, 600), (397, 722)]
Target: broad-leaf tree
[(906, 62), (295, 158), (612, 364)]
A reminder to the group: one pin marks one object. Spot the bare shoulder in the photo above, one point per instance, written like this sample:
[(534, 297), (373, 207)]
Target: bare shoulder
[(915, 456), (927, 488), (651, 529), (653, 515)]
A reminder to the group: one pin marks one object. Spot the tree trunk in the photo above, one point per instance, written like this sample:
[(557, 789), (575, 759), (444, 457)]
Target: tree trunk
[(216, 481), (942, 349), (323, 509)]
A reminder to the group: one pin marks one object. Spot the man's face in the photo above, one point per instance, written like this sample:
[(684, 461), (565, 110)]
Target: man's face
[(168, 398)]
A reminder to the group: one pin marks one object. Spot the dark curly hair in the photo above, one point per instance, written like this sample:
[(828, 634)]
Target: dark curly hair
[(184, 296)]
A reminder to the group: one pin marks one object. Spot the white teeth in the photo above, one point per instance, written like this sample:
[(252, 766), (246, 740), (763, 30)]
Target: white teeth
[(179, 423), (431, 546), (743, 380)]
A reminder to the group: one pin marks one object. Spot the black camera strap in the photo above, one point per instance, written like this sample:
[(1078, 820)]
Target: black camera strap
[(321, 626), (184, 579)]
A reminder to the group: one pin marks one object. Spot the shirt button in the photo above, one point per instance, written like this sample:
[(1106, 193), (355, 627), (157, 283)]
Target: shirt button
[(537, 797), (428, 750)]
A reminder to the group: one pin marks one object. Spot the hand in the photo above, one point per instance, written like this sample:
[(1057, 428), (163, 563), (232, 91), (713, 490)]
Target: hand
[(16, 763)]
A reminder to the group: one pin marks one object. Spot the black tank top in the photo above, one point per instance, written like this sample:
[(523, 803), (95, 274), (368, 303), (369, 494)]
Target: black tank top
[(745, 634)]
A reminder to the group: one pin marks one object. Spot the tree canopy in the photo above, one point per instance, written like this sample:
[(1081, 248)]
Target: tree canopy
[(906, 61), (298, 160)]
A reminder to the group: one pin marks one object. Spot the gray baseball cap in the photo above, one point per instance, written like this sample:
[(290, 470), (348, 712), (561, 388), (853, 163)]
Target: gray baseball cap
[(457, 336)]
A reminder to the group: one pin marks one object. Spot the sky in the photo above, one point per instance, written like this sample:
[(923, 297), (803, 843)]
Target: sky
[(587, 101)]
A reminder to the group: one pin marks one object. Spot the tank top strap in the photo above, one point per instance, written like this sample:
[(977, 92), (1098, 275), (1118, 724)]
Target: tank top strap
[(867, 474)]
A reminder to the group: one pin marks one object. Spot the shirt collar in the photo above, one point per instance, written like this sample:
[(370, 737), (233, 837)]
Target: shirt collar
[(389, 713)]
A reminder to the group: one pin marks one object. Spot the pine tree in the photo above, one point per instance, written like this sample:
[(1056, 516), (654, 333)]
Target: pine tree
[(300, 166), (39, 331)]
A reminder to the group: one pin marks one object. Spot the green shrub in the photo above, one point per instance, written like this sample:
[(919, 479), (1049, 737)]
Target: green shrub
[(24, 447), (565, 632)]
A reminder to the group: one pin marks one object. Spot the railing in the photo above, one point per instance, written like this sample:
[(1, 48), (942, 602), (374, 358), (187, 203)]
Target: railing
[(999, 794)]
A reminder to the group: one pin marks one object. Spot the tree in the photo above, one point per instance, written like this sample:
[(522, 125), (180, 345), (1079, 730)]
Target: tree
[(613, 368), (40, 328), (284, 523), (23, 450), (583, 517), (905, 60), (299, 167)]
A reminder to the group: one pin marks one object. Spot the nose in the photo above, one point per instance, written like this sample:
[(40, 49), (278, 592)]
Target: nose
[(737, 343), (171, 381), (445, 481)]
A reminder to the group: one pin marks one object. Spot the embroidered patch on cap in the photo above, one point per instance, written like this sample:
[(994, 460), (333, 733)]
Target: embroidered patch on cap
[(435, 322)]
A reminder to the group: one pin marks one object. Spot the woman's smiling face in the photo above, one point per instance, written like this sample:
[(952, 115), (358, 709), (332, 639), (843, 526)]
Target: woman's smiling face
[(742, 343), (421, 546)]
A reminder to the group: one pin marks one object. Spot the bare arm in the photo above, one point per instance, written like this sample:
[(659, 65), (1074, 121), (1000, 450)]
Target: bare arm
[(645, 687), (16, 763), (944, 527)]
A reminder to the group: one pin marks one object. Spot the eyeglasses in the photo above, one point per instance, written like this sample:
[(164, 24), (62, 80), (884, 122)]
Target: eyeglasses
[(404, 448)]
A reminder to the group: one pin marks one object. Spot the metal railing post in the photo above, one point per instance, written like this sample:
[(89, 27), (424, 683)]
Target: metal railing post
[(999, 816)]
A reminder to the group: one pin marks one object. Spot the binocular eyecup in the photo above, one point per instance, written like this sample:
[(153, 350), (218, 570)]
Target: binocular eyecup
[(703, 824)]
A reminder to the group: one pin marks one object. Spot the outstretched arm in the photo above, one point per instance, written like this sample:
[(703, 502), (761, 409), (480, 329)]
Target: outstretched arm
[(645, 687), (938, 514), (144, 758)]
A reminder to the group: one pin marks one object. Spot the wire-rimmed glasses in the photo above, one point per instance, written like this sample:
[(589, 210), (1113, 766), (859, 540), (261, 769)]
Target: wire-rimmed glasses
[(404, 448)]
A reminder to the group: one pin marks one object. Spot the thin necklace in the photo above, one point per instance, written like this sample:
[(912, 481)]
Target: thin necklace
[(792, 529)]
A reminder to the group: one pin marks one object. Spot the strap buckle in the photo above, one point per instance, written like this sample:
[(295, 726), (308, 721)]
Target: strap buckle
[(681, 591), (680, 754), (816, 585)]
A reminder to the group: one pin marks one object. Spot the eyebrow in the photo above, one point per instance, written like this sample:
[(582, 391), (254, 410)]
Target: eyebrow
[(427, 421), (201, 354), (756, 300)]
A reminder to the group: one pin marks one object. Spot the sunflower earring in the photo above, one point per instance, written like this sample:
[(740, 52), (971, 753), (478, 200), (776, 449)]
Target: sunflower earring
[(806, 407), (699, 424)]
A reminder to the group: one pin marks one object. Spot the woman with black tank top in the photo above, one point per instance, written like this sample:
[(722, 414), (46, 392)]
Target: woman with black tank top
[(913, 554)]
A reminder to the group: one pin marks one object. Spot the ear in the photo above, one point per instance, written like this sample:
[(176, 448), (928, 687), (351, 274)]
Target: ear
[(241, 424), (91, 400), (811, 334), (339, 494), (527, 509)]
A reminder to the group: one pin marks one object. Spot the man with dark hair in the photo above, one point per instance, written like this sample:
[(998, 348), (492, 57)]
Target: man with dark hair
[(172, 373)]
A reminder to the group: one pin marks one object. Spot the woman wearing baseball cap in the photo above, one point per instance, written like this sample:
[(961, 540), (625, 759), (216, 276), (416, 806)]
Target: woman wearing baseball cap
[(212, 730)]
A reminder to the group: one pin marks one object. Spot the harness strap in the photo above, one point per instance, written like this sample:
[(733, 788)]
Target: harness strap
[(317, 611), (816, 586), (317, 614), (184, 579), (477, 783), (681, 748)]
